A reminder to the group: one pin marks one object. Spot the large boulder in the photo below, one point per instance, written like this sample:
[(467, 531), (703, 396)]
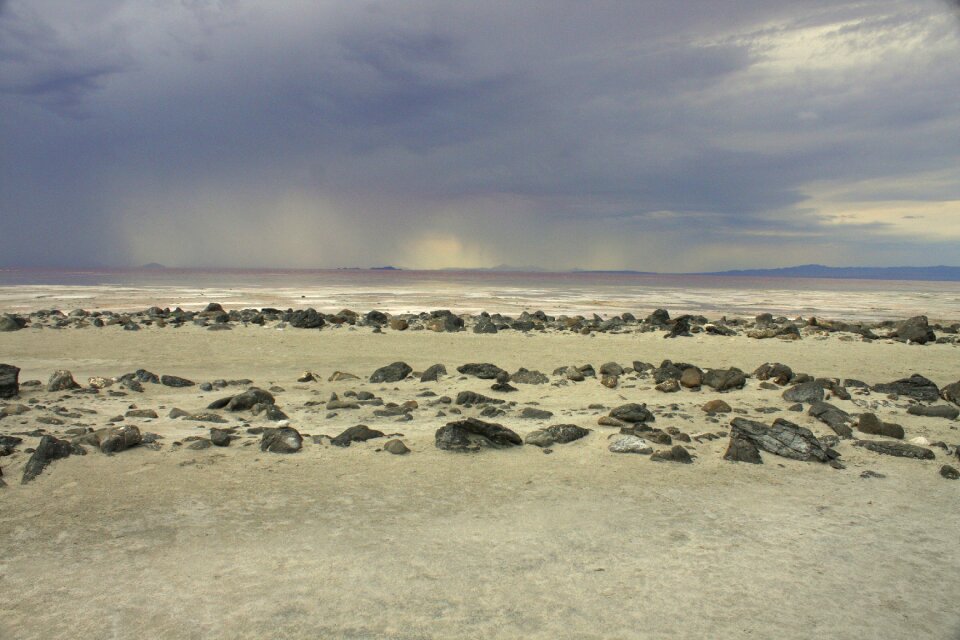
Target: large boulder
[(282, 440), (9, 381), (471, 434), (916, 387), (394, 372), (782, 438)]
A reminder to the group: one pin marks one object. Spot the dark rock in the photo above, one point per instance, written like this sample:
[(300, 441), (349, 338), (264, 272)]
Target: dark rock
[(869, 423), (691, 378), (899, 449), (471, 434), (117, 439), (9, 381), (62, 380), (394, 372), (774, 371), (359, 433), (485, 325), (282, 440), (200, 444), (611, 369), (47, 451), (175, 381), (783, 438), (949, 472), (141, 413), (396, 447), (433, 373), (915, 329), (220, 437), (532, 413), (951, 393), (934, 411), (742, 450), (205, 416), (716, 406), (482, 370), (916, 387), (524, 376), (872, 474), (305, 319), (676, 454), (837, 419), (659, 318), (808, 392), (245, 400), (632, 413), (10, 323), (556, 434), (471, 397), (144, 376), (724, 379), (679, 328)]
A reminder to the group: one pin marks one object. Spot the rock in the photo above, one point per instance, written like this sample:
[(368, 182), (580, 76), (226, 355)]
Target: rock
[(141, 413), (716, 406), (675, 454), (482, 370), (142, 375), (899, 449), (916, 387), (281, 440), (359, 433), (471, 397), (305, 319), (62, 380), (872, 474), (246, 400), (869, 423), (607, 421), (485, 325), (523, 376), (206, 416), (632, 413), (915, 329), (99, 382), (338, 376), (837, 419), (783, 438), (394, 372), (117, 439), (934, 411), (630, 444), (679, 328), (175, 381), (659, 318), (433, 373), (532, 413), (307, 376), (177, 413), (9, 381), (555, 434), (471, 434), (47, 451), (951, 393), (808, 392), (399, 324), (396, 447), (335, 405), (611, 369), (199, 444), (220, 437), (9, 323), (774, 371), (742, 450), (668, 386), (691, 378), (949, 472), (724, 379)]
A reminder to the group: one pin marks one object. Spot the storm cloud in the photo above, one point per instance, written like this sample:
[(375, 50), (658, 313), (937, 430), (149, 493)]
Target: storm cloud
[(654, 135)]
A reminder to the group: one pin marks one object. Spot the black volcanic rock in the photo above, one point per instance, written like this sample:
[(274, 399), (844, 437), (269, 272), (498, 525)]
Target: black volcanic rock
[(393, 372), (916, 387), (471, 434), (9, 381)]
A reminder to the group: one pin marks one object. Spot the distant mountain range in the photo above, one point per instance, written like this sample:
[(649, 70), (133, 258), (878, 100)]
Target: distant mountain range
[(859, 273)]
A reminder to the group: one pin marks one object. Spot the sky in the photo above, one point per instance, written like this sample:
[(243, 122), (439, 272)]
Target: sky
[(656, 135)]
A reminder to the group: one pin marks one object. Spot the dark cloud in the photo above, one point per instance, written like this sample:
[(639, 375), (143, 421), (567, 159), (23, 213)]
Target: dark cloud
[(432, 133)]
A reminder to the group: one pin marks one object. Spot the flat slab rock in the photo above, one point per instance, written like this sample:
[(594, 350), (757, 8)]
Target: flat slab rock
[(471, 434), (898, 449), (556, 434), (782, 438)]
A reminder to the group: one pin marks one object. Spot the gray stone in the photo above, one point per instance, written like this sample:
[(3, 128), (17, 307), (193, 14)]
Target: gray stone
[(9, 381), (472, 397), (482, 370), (117, 439), (532, 413), (247, 399), (394, 372), (870, 424), (934, 411), (433, 373), (834, 417), (783, 438), (916, 387), (175, 381), (949, 472), (775, 372), (808, 392), (630, 444), (62, 380), (523, 376), (899, 449), (724, 379), (677, 453), (555, 434), (220, 437), (632, 413), (282, 440)]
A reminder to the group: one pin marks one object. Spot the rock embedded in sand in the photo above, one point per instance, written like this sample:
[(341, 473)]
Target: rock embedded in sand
[(916, 387), (951, 393), (47, 451), (396, 447), (394, 372), (934, 411), (532, 413), (281, 440), (471, 434), (869, 423), (783, 438), (807, 392), (337, 376), (949, 472), (691, 378), (716, 406), (176, 381), (632, 412), (9, 381), (668, 386), (472, 397), (433, 373), (834, 417), (916, 329), (10, 323), (774, 371), (141, 413), (742, 450), (62, 380), (898, 449), (245, 400), (358, 433), (630, 444), (221, 437), (555, 434), (482, 370), (677, 453)]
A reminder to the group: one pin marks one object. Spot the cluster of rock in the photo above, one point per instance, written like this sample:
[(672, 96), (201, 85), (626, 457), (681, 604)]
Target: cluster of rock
[(915, 330)]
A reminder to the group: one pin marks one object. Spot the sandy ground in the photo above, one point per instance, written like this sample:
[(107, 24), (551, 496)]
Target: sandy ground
[(356, 543)]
